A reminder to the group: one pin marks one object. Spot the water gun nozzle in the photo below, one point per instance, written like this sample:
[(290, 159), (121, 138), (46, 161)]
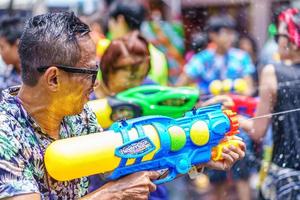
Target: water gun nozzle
[(234, 123)]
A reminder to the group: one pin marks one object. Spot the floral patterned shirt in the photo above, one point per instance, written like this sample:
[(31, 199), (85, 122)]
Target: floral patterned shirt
[(22, 146)]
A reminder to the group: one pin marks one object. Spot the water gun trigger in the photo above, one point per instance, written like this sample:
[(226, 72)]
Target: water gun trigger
[(171, 175)]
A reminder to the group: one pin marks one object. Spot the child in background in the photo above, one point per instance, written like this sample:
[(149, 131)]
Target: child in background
[(11, 29), (125, 64)]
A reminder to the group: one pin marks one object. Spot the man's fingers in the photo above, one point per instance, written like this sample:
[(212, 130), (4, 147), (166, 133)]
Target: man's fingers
[(227, 157), (234, 155), (152, 187), (238, 151), (153, 175), (242, 146)]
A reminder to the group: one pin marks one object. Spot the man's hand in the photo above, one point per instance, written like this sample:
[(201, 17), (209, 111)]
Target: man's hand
[(230, 156), (225, 100), (136, 186)]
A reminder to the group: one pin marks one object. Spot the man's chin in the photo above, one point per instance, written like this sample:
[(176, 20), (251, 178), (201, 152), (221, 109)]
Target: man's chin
[(78, 109)]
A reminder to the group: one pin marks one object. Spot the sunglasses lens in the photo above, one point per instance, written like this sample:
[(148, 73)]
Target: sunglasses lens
[(94, 76)]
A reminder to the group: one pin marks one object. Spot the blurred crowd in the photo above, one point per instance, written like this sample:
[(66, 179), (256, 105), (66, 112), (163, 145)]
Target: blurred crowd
[(136, 45)]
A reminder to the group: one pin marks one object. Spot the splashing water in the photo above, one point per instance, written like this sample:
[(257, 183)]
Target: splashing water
[(273, 114)]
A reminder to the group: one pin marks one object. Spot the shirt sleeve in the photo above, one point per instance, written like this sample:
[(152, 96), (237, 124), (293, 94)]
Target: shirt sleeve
[(248, 67), (194, 69), (16, 177)]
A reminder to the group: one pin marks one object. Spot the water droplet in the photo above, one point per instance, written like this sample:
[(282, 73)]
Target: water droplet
[(281, 118), (284, 164)]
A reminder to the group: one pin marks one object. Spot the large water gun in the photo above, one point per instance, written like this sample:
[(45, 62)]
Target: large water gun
[(145, 100), (244, 105), (146, 143)]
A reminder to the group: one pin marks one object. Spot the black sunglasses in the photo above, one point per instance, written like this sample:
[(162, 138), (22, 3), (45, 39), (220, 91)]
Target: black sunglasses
[(75, 70)]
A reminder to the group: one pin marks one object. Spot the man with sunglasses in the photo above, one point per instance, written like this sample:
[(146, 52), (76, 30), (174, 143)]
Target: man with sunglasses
[(58, 62), (59, 69)]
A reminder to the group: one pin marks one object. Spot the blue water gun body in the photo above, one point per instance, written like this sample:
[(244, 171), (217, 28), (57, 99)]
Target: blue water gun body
[(146, 143), (184, 142)]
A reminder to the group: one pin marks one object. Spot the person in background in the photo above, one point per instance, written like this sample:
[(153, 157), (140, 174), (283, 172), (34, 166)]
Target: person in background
[(96, 23), (126, 16), (269, 53), (167, 36), (279, 92), (221, 62), (3, 66), (124, 65), (11, 29), (248, 44), (199, 42)]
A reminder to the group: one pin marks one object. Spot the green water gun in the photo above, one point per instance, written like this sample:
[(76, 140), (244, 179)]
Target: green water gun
[(167, 101)]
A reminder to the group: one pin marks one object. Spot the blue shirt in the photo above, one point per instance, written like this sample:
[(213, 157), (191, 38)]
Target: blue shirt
[(207, 66)]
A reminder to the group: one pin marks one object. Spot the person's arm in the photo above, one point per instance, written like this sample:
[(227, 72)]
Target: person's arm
[(135, 186), (250, 85), (183, 80), (248, 70), (193, 70), (31, 196), (267, 97), (225, 100)]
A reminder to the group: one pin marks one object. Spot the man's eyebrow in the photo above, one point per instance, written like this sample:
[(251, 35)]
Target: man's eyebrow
[(95, 65)]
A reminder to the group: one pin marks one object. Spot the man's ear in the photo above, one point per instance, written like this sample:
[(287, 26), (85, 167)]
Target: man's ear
[(52, 77)]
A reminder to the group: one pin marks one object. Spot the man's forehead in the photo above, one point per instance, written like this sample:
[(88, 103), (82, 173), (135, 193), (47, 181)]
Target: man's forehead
[(88, 51), (86, 44)]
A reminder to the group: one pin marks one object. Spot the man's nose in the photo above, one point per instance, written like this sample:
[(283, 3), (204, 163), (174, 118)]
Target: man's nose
[(96, 83)]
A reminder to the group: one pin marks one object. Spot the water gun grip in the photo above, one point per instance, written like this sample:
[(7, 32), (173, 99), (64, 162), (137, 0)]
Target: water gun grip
[(216, 154)]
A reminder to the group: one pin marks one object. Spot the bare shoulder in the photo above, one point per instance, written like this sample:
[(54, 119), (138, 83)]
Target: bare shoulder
[(268, 80), (268, 70)]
